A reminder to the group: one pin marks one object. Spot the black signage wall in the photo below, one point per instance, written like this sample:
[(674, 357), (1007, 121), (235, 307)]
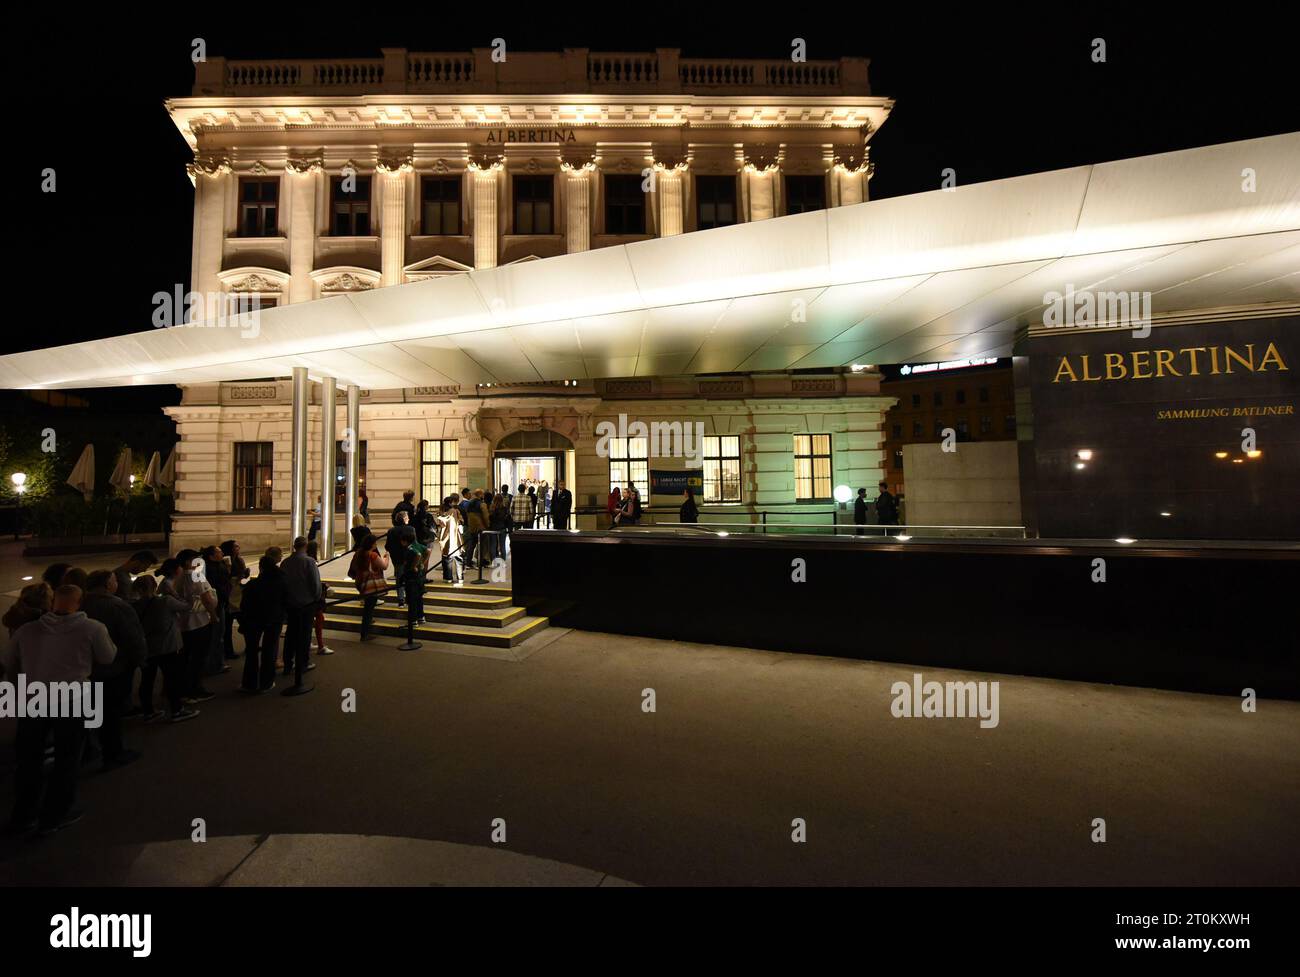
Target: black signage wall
[(1192, 432)]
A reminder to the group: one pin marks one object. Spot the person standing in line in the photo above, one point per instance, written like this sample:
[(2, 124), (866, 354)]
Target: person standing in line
[(613, 506), (689, 511), (218, 576), (499, 522), (313, 551), (239, 574), (160, 611), (399, 538), (63, 646), (407, 505), (449, 539), (34, 600), (102, 604), (886, 507), (476, 521), (860, 512), (363, 507), (359, 530), (544, 506), (303, 595), (521, 509), (532, 506), (260, 620), (561, 505), (315, 520), (139, 563), (196, 625), (367, 572)]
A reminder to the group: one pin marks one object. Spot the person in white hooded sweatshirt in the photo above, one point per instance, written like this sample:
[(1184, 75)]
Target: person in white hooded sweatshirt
[(61, 646)]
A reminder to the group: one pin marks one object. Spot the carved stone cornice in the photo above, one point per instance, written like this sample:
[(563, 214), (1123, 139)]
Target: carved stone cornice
[(395, 163), (208, 165), (346, 282), (307, 163)]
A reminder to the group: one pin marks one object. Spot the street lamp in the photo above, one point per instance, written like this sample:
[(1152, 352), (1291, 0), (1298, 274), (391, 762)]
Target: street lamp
[(20, 486)]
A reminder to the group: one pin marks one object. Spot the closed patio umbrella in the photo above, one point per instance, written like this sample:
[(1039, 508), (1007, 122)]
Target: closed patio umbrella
[(167, 477), (83, 474), (121, 477), (151, 476)]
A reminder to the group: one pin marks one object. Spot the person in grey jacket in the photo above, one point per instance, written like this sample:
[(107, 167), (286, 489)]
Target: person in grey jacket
[(102, 604), (159, 612), (63, 646), (303, 594)]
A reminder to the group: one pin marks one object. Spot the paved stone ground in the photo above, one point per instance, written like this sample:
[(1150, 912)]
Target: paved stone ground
[(702, 791)]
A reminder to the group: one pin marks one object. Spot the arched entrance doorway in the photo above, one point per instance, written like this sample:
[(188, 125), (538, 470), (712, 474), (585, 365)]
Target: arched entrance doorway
[(532, 457)]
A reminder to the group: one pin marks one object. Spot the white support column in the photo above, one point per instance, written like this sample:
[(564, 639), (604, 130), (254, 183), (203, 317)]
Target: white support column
[(485, 216), (352, 437), (298, 469), (328, 405), (392, 226), (577, 202), (670, 189)]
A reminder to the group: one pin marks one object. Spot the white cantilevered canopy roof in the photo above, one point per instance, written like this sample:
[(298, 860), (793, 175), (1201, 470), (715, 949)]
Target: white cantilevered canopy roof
[(934, 275)]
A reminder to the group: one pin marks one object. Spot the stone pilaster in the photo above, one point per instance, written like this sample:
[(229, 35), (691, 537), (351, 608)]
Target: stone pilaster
[(577, 197), (670, 189), (302, 231), (485, 215), (392, 225), (212, 184), (761, 192)]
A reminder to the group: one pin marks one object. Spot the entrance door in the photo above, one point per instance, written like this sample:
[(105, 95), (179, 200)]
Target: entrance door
[(512, 469)]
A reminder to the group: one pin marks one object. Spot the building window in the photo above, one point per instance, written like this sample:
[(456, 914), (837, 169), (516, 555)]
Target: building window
[(984, 395), (812, 467), (721, 468), (253, 476), (350, 211), (533, 205), (715, 201), (938, 428), (804, 193), (259, 203), (961, 396), (341, 475), (898, 430), (629, 464), (440, 202), (242, 303), (439, 470), (938, 398), (918, 429), (963, 429), (624, 205), (1009, 424), (916, 400), (898, 459), (986, 424)]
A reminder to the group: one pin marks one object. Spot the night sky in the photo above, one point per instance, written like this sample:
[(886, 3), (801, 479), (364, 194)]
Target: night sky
[(990, 98)]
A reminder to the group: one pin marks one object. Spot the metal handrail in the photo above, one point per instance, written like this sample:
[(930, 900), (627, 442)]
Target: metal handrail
[(849, 528)]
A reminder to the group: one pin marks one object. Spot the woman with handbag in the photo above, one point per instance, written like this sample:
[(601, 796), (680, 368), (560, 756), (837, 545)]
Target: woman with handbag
[(367, 571)]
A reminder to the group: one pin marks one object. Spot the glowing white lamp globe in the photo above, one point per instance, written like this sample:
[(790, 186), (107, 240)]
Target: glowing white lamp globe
[(843, 493)]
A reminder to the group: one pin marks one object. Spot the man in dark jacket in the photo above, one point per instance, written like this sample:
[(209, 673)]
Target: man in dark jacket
[(102, 604), (886, 507), (399, 538), (860, 511), (261, 616), (303, 595), (561, 505), (407, 505)]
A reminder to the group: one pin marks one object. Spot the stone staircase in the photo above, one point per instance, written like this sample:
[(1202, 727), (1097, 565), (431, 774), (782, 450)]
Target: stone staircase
[(469, 614)]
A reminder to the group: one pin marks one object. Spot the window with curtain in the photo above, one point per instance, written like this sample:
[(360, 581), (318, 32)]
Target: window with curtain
[(721, 468), (253, 476), (812, 467)]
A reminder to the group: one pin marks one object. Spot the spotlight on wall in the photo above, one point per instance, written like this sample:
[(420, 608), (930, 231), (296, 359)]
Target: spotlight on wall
[(724, 533), (1080, 465), (1126, 540), (1084, 454), (1220, 454), (1254, 454), (1166, 514), (902, 537), (1238, 461)]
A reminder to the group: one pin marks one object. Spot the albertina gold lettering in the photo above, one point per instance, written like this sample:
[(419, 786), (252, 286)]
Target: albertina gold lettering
[(1115, 361)]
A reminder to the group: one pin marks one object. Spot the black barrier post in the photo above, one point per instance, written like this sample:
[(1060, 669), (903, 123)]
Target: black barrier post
[(479, 556)]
